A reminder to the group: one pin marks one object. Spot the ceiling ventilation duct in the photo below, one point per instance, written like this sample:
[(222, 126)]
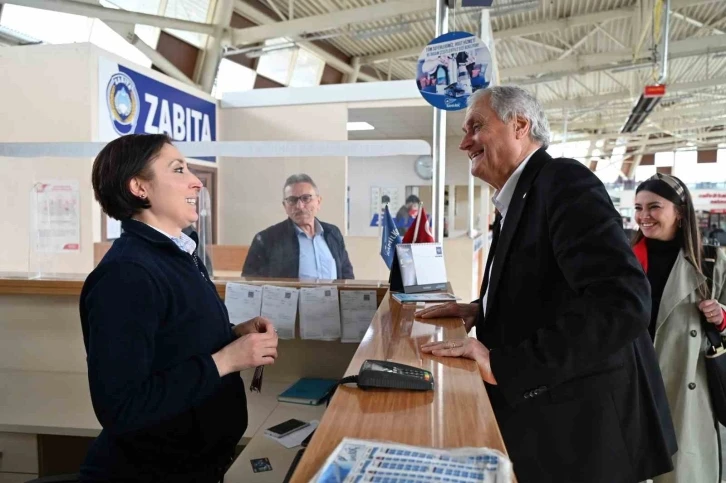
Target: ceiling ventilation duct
[(645, 105)]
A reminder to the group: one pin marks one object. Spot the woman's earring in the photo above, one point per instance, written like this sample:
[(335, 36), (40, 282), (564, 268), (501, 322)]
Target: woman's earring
[(680, 222)]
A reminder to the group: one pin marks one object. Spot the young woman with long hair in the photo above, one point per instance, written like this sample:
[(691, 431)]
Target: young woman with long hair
[(668, 245)]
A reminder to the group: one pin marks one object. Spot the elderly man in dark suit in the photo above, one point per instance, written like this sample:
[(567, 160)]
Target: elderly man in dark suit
[(562, 319)]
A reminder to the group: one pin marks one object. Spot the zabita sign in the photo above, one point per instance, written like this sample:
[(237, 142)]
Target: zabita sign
[(132, 103)]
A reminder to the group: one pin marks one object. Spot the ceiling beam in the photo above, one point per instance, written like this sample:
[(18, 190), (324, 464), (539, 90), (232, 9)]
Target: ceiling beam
[(398, 54), (585, 63), (328, 21), (638, 135), (540, 45), (696, 23), (586, 102), (262, 19), (699, 113), (115, 15), (565, 23), (543, 27)]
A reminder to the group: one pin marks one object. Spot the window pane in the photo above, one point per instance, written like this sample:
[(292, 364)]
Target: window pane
[(194, 10), (45, 25), (147, 33), (276, 64), (233, 77), (308, 69), (104, 37)]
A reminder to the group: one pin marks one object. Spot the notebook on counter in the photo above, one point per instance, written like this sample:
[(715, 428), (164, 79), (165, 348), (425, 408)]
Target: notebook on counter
[(308, 390)]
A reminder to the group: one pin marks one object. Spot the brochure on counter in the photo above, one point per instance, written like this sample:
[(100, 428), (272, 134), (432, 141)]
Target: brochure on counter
[(414, 298), (356, 460)]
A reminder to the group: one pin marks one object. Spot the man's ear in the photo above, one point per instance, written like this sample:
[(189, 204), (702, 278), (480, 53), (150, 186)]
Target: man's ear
[(521, 127)]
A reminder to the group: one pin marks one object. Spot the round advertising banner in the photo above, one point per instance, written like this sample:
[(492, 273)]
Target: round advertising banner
[(451, 68)]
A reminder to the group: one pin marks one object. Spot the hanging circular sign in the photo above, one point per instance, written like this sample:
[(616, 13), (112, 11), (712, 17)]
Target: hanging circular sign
[(451, 68)]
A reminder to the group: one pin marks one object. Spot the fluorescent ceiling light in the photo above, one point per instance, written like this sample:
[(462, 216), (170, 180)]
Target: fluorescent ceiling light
[(359, 126)]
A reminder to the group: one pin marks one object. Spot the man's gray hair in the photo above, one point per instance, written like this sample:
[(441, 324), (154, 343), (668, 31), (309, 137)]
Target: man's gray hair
[(300, 178), (510, 101)]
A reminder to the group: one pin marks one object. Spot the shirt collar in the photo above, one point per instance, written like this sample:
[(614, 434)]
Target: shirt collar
[(318, 228), (183, 241), (503, 197)]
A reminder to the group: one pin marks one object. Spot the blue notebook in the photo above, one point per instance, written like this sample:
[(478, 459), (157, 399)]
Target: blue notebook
[(308, 391)]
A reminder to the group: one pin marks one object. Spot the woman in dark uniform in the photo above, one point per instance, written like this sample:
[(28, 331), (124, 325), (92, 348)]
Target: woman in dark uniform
[(163, 358)]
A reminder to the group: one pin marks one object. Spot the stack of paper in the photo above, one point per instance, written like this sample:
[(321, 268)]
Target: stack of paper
[(372, 461)]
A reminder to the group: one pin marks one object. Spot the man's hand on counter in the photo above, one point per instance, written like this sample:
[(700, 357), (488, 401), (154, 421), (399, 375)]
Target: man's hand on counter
[(468, 312), (258, 325), (469, 348)]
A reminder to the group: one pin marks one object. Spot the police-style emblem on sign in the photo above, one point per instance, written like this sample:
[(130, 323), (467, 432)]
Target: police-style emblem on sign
[(123, 103)]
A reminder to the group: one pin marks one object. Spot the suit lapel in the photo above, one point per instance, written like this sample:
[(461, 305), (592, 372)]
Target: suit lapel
[(682, 281), (514, 213)]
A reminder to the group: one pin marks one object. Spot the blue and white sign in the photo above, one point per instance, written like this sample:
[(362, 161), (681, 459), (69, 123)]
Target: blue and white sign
[(451, 68), (131, 102)]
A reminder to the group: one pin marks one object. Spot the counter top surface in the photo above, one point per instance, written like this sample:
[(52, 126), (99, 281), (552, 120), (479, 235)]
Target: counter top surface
[(456, 414), (20, 283)]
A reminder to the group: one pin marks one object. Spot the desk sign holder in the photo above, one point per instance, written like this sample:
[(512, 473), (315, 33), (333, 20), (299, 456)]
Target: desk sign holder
[(418, 267)]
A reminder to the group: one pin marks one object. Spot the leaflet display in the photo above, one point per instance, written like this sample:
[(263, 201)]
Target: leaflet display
[(419, 267)]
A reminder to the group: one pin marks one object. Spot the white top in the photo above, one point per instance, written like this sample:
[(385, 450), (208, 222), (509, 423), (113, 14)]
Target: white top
[(502, 199), (184, 242)]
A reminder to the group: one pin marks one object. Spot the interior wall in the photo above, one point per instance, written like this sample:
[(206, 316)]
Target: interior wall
[(44, 91), (396, 172), (252, 187), (49, 94)]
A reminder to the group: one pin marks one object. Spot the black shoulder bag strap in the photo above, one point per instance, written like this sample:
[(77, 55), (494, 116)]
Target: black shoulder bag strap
[(708, 266)]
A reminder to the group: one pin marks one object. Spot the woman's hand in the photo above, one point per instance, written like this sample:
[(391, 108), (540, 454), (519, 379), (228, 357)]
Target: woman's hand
[(712, 310), (468, 312), (258, 325), (250, 350), (469, 348)]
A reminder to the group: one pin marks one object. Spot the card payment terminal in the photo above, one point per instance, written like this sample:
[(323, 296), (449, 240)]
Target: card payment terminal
[(392, 375)]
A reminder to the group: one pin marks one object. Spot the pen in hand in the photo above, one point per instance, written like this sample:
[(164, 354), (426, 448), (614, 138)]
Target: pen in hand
[(256, 384)]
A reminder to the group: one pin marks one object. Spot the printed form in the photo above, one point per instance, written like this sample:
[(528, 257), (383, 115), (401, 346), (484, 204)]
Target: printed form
[(279, 304), (319, 313), (243, 302), (357, 308)]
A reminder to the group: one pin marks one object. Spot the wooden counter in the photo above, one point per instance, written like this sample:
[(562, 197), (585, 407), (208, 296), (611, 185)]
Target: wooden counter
[(456, 414), (18, 283)]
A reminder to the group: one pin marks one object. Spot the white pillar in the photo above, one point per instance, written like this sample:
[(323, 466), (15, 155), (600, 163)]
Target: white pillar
[(439, 142), (352, 78), (451, 212), (470, 229), (487, 36), (213, 49)]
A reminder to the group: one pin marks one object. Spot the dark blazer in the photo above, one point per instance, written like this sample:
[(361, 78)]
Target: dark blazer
[(275, 252), (151, 321), (580, 396)]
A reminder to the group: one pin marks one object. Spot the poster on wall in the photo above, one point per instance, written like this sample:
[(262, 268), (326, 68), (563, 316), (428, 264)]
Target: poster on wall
[(57, 221), (377, 198), (132, 103), (451, 68)]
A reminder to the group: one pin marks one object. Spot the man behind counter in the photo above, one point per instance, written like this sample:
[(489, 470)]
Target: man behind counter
[(301, 246)]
